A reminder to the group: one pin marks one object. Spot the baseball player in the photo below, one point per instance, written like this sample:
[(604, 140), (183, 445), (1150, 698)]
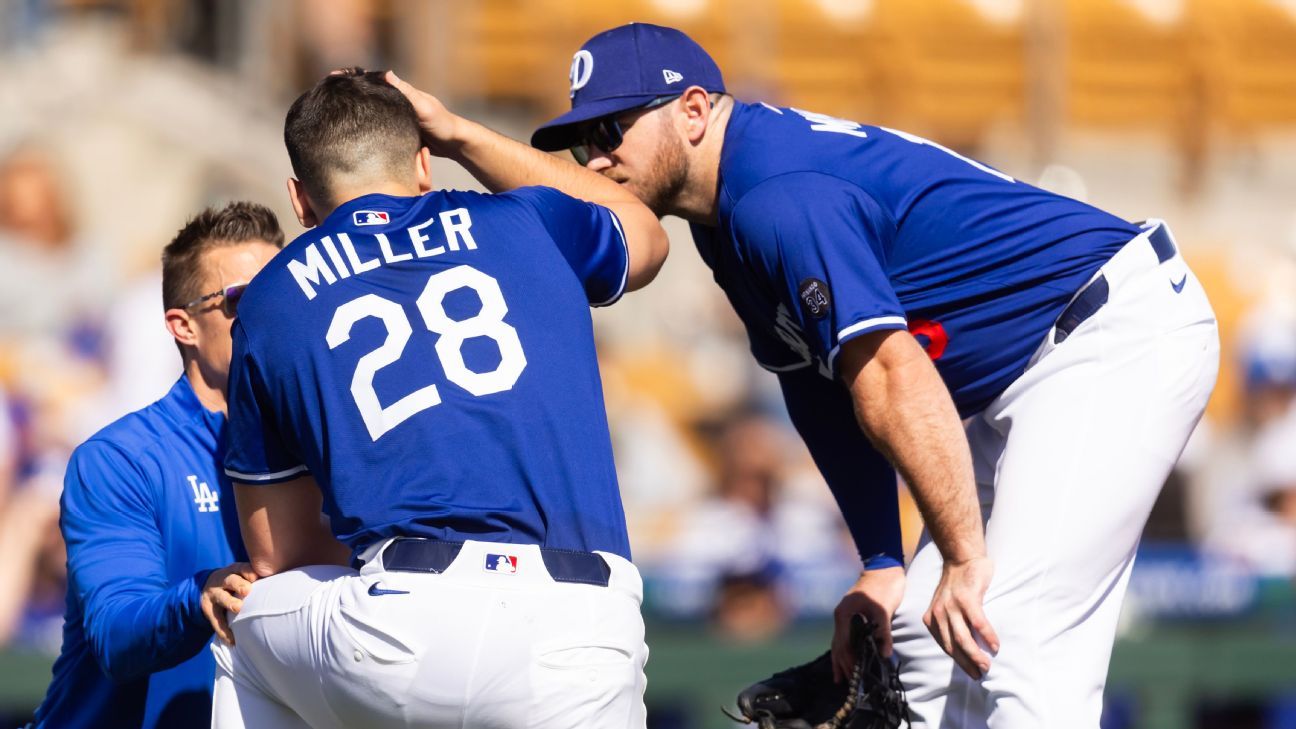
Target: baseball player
[(897, 288), (148, 515), (420, 365)]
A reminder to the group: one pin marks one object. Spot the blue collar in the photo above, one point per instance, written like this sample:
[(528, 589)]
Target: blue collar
[(183, 405), (381, 201), (739, 117)]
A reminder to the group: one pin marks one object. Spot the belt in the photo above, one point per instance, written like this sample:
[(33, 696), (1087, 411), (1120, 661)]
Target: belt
[(416, 554), (1092, 297)]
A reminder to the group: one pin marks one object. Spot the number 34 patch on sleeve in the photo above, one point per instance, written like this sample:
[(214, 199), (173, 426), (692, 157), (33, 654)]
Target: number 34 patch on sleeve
[(815, 298)]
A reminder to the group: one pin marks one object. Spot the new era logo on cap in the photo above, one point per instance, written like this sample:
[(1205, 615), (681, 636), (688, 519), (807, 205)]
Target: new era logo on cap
[(670, 76), (370, 217), (504, 563)]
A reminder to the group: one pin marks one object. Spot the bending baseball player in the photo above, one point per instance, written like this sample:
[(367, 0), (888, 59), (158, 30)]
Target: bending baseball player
[(1024, 360)]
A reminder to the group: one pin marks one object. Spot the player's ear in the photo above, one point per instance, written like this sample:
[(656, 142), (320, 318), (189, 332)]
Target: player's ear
[(181, 325), (301, 204), (423, 169), (696, 107)]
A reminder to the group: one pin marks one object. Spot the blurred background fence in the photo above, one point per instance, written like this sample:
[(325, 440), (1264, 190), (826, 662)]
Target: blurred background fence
[(119, 119)]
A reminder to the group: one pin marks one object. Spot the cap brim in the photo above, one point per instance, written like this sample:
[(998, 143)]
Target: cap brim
[(560, 133)]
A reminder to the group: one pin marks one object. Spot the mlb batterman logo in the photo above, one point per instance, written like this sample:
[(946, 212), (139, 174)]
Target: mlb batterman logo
[(502, 563), (370, 217)]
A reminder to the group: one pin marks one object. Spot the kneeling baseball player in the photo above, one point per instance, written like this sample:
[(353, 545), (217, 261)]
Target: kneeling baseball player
[(420, 367)]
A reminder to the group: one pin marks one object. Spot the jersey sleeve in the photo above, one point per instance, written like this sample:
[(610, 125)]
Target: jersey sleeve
[(255, 453), (861, 480), (820, 242), (135, 620), (589, 237)]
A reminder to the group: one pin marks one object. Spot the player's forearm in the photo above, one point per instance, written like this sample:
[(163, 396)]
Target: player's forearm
[(501, 163), (283, 527), (904, 408), (270, 555)]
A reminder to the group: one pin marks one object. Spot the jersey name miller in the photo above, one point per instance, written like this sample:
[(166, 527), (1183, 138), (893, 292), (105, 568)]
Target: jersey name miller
[(343, 261)]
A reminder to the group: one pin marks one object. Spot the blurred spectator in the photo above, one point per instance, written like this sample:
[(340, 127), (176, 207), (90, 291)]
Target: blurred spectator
[(51, 278), (53, 285), (753, 522), (33, 572), (140, 357), (48, 347), (1265, 354), (8, 450), (334, 34), (1261, 529), (22, 20), (1268, 357), (748, 607)]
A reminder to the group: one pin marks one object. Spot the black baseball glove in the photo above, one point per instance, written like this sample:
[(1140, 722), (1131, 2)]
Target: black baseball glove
[(805, 697)]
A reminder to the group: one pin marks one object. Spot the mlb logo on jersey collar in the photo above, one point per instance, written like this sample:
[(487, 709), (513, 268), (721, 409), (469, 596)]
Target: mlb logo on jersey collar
[(503, 563), (370, 217)]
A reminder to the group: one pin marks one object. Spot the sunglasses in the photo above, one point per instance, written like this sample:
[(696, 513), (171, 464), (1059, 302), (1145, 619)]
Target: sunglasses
[(607, 133), (229, 304)]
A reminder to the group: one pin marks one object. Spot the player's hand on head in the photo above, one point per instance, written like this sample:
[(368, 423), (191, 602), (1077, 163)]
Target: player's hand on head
[(876, 595), (957, 618), (438, 123), (223, 594)]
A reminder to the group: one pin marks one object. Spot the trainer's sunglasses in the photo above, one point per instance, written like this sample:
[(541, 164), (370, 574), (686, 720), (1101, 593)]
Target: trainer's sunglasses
[(606, 133), (228, 305)]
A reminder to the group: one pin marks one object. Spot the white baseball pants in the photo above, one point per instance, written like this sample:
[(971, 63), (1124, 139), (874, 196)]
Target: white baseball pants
[(1069, 460), (327, 647)]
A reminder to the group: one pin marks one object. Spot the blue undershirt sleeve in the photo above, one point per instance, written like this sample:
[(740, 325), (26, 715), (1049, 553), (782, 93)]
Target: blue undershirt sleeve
[(136, 622), (860, 478)]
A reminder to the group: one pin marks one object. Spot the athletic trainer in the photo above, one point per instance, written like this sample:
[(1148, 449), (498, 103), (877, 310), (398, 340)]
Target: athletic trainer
[(148, 515)]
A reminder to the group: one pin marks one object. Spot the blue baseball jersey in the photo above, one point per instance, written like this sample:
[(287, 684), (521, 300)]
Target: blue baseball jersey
[(147, 515), (430, 360), (829, 230)]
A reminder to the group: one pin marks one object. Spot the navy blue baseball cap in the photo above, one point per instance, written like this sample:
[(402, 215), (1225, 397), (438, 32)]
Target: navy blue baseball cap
[(623, 68)]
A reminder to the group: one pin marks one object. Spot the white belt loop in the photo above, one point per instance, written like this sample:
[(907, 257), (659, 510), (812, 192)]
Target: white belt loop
[(1134, 257), (371, 556)]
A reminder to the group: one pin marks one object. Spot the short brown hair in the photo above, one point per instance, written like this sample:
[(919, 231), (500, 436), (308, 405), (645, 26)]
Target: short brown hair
[(349, 123), (237, 222)]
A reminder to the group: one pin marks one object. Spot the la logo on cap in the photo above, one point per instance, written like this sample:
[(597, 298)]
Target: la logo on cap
[(670, 76), (581, 69)]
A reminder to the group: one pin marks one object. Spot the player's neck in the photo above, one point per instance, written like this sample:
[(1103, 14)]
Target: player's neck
[(346, 195), (210, 393), (697, 201)]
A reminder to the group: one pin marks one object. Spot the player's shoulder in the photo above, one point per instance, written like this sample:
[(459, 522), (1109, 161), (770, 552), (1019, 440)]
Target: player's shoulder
[(123, 446), (776, 152), (542, 200), (266, 286), (136, 450), (756, 148)]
